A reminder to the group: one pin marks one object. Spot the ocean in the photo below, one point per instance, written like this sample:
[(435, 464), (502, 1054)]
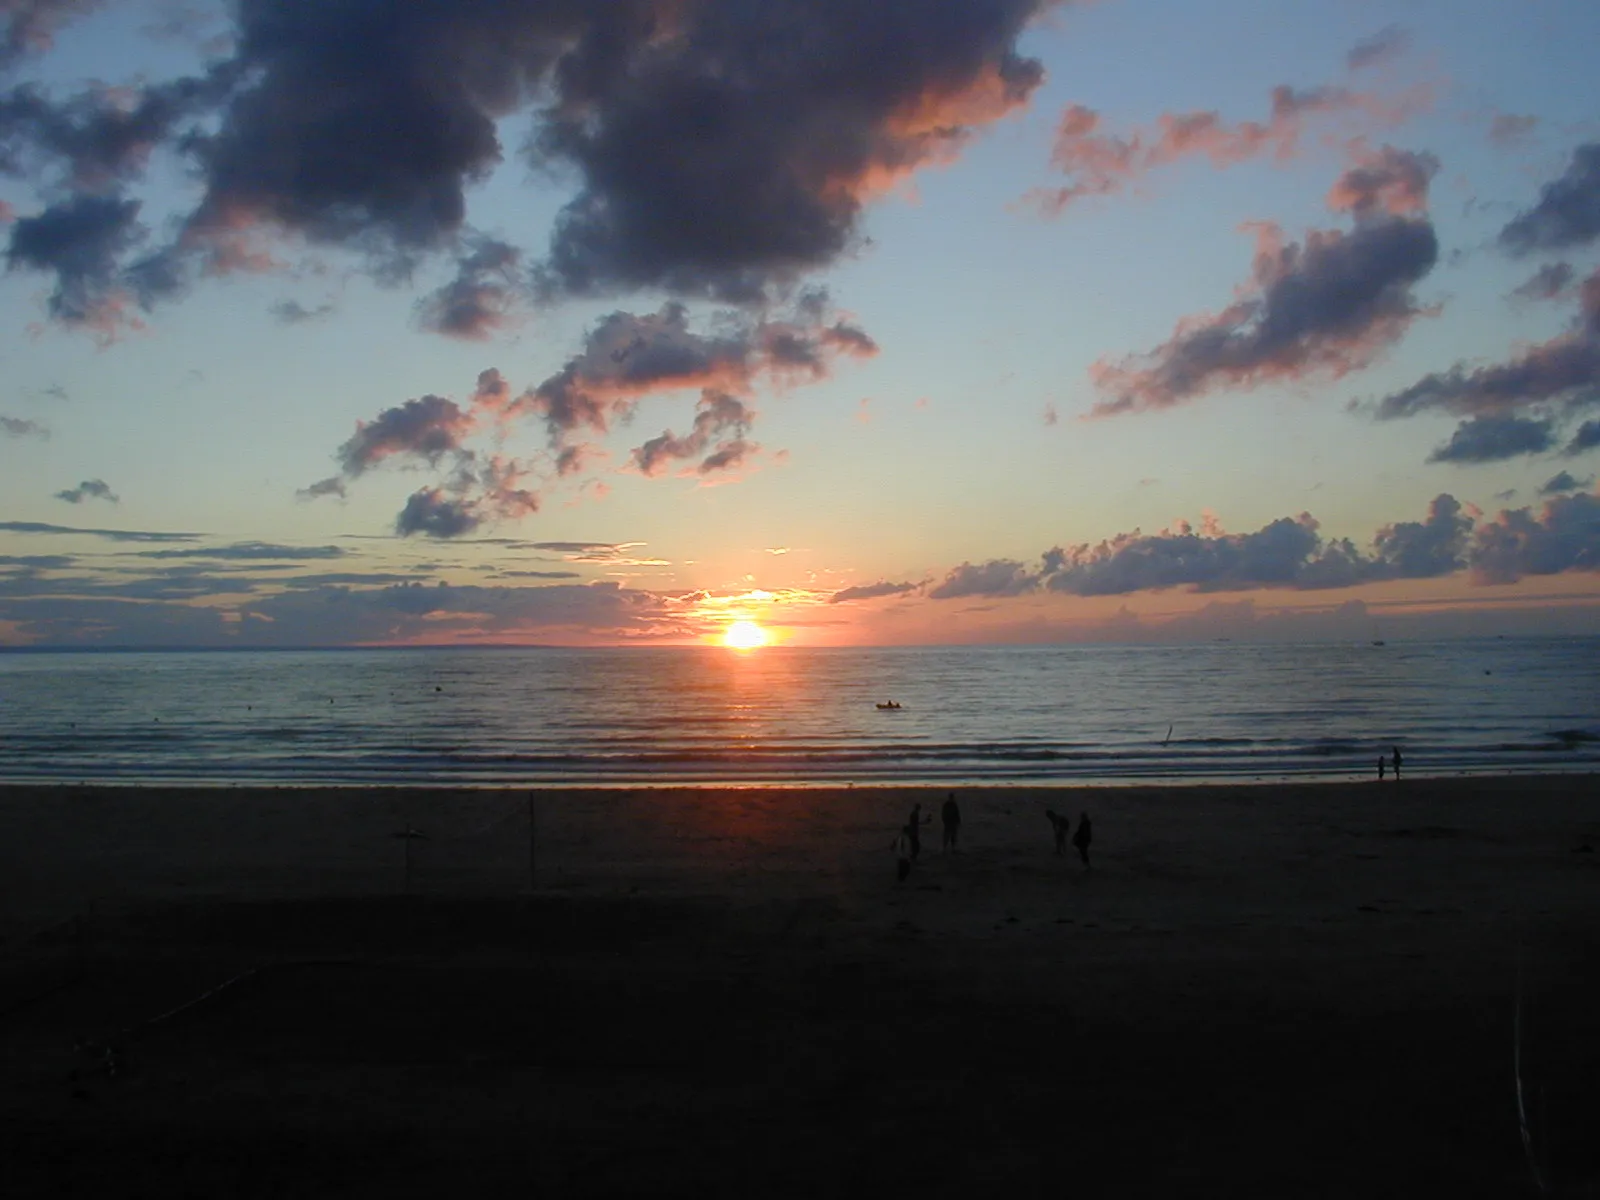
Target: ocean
[(970, 716)]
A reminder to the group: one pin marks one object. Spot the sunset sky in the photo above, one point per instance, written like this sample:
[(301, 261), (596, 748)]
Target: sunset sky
[(910, 321)]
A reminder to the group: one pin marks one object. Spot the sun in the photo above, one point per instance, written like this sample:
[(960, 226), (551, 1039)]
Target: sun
[(744, 635)]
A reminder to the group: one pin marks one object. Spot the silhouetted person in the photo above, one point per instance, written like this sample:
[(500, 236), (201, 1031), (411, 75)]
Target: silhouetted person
[(1060, 826), (950, 814), (914, 829), (1382, 762), (1083, 837), (902, 851), (1397, 762)]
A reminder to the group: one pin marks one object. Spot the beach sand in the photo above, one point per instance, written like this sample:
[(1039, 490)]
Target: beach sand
[(1286, 990)]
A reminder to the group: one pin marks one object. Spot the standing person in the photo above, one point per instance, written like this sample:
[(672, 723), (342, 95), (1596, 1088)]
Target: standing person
[(902, 853), (1382, 761), (1397, 762), (1082, 838), (950, 814), (914, 831), (1059, 826)]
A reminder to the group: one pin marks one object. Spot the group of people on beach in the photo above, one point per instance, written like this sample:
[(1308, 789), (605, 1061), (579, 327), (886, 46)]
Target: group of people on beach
[(907, 844), (1384, 762)]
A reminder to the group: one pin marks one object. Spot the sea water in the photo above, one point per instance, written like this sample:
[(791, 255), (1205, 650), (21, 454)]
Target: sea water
[(971, 715)]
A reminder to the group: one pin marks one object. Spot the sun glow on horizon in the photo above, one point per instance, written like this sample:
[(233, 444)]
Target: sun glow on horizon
[(744, 635)]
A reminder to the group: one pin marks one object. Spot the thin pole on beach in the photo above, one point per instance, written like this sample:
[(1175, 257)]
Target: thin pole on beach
[(409, 835)]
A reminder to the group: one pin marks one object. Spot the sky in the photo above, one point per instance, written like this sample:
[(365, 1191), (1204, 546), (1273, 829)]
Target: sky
[(378, 322)]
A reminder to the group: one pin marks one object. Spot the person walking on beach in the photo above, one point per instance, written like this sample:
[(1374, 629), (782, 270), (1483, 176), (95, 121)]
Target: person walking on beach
[(1397, 762), (950, 814), (901, 846), (1060, 826), (1382, 762), (1082, 838), (914, 830)]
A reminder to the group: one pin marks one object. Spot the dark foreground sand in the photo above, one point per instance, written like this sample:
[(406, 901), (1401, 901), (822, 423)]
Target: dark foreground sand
[(1270, 990)]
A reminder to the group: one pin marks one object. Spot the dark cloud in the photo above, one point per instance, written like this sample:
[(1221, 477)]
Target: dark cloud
[(720, 420), (1425, 549), (1564, 482), (98, 489), (1551, 371), (997, 577), (1322, 308), (324, 613), (477, 491), (1568, 211), (1494, 439), (18, 427), (427, 428), (114, 535), (251, 552), (729, 456), (1272, 556), (80, 241), (1287, 553), (1549, 282), (482, 298), (333, 616), (873, 591), (362, 579), (1542, 387), (362, 124), (332, 486), (429, 511), (720, 148), (628, 356), (1585, 438), (292, 312), (1564, 537), (1511, 129), (100, 139), (1388, 44), (737, 155)]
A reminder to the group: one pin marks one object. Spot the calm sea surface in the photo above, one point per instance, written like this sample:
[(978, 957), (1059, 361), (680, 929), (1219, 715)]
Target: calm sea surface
[(1069, 714)]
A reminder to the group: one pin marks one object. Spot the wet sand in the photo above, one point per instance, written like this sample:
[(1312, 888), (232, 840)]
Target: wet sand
[(1283, 989)]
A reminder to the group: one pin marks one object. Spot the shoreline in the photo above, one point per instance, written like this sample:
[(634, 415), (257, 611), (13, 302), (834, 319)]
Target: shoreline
[(1339, 780)]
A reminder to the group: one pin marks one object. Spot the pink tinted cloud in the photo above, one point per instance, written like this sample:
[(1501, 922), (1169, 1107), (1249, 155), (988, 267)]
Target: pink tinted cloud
[(1101, 163), (629, 356), (1385, 180)]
